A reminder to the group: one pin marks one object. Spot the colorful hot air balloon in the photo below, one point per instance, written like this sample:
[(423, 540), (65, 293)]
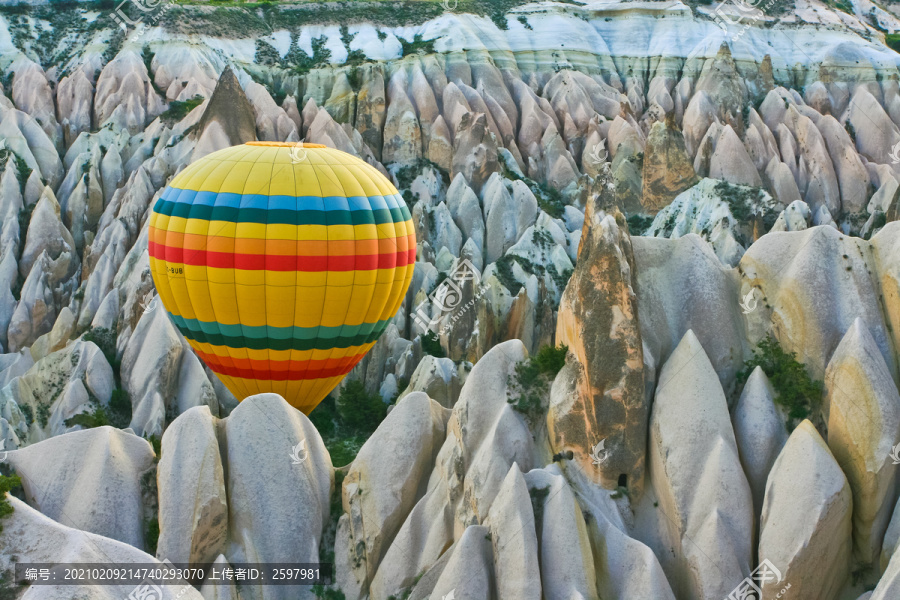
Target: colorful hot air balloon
[(281, 264)]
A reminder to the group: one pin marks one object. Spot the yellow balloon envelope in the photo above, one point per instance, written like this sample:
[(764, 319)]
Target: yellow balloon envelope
[(281, 264)]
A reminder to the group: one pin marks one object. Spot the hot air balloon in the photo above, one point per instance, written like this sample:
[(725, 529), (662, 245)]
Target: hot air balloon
[(281, 264)]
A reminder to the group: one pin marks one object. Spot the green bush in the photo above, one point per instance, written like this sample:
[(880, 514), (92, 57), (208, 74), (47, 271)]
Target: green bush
[(28, 413), (532, 378), (795, 390), (151, 535), (88, 420), (406, 174), (266, 54), (402, 384), (301, 62), (426, 46), (550, 360), (638, 224), (359, 410), (327, 593), (505, 274), (120, 409), (43, 414), (25, 217), (431, 344), (893, 41), (324, 416), (179, 109), (345, 429), (9, 589), (549, 200), (117, 414), (343, 450), (538, 497), (7, 484), (156, 442), (105, 339)]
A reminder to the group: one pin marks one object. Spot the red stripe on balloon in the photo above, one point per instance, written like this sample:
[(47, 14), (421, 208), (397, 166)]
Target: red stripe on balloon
[(281, 370), (277, 262)]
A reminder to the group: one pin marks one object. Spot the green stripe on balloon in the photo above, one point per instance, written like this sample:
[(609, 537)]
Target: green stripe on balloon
[(264, 337)]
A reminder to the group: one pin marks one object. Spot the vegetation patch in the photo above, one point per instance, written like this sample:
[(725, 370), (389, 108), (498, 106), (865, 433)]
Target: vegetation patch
[(431, 344), (88, 420), (560, 279), (179, 109), (120, 409), (505, 271), (747, 203), (156, 443), (151, 535), (406, 174), (893, 41), (147, 54), (538, 497), (326, 548), (855, 221), (9, 590), (358, 409), (8, 483), (28, 413), (354, 57), (531, 382), (346, 423), (327, 593), (795, 390), (638, 224), (301, 62), (506, 276), (418, 45), (105, 339), (620, 492), (842, 5), (117, 414), (266, 54), (549, 199)]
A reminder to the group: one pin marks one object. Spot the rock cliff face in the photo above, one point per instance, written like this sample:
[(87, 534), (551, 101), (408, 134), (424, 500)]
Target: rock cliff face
[(660, 189), (608, 402)]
